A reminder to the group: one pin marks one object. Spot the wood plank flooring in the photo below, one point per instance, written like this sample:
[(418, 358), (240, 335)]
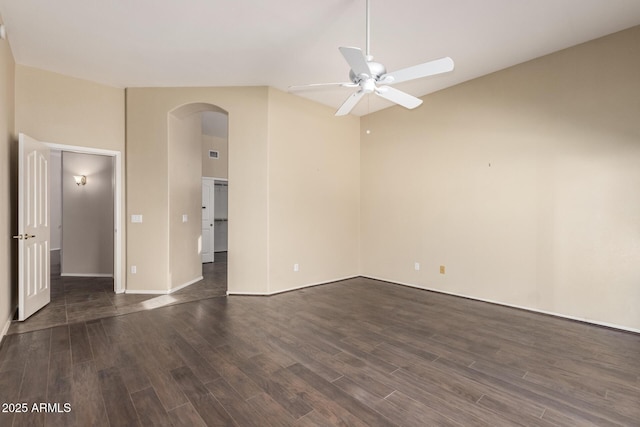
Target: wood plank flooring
[(75, 299), (353, 353)]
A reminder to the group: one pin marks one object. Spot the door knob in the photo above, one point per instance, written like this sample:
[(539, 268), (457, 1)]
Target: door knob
[(19, 237)]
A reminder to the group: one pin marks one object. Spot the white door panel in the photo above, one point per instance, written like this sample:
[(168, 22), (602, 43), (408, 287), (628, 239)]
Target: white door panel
[(207, 219), (221, 216), (33, 227)]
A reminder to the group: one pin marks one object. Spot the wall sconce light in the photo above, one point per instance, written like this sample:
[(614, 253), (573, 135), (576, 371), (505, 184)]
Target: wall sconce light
[(80, 179)]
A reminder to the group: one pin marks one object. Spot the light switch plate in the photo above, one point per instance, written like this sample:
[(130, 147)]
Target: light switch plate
[(136, 218)]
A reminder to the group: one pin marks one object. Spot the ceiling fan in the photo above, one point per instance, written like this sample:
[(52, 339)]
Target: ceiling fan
[(372, 77)]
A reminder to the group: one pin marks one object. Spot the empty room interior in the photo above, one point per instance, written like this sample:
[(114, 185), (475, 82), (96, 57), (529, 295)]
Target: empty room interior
[(348, 212)]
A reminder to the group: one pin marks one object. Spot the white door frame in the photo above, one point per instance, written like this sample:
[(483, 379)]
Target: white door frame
[(211, 215), (118, 242)]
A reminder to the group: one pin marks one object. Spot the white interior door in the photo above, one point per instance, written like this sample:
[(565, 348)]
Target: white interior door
[(33, 227), (208, 238), (220, 226)]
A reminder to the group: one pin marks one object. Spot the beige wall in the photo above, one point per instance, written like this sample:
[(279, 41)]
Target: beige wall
[(314, 193), (55, 108), (293, 189), (87, 217), (523, 183), (185, 198), (214, 168), (148, 183), (8, 225)]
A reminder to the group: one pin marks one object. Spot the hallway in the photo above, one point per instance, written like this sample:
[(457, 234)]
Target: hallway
[(78, 299)]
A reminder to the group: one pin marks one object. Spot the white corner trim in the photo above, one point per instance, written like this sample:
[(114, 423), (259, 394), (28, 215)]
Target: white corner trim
[(534, 310), (248, 294), (196, 280), (145, 292), (294, 288), (162, 292)]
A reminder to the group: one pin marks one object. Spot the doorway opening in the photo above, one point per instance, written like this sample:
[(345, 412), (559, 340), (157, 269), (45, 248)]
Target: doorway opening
[(198, 189), (215, 186), (34, 194), (86, 241), (82, 231), (82, 214)]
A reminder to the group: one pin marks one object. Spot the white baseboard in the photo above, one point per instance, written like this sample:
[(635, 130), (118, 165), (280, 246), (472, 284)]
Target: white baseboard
[(295, 288), (86, 275), (146, 292), (534, 310), (184, 285), (7, 324), (162, 292)]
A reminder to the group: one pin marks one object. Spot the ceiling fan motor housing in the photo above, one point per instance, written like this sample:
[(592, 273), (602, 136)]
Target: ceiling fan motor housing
[(376, 68)]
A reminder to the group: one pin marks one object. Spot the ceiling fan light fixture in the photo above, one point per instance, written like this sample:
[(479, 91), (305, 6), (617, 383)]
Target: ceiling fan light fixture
[(368, 85)]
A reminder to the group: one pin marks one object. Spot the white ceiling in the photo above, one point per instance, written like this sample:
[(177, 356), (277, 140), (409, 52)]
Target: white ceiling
[(129, 43)]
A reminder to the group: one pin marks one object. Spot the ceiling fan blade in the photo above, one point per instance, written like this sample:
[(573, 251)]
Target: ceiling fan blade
[(398, 96), (350, 103), (356, 60), (430, 68), (320, 86)]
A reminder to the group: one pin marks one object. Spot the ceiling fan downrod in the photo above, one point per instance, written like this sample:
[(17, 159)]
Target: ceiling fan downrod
[(368, 32)]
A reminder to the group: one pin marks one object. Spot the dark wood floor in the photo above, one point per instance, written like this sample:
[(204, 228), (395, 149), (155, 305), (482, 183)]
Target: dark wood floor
[(75, 299), (353, 353)]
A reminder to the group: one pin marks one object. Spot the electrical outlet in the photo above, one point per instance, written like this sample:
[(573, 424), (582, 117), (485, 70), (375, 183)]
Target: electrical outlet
[(442, 269), (134, 269), (136, 218), (296, 267), (416, 266)]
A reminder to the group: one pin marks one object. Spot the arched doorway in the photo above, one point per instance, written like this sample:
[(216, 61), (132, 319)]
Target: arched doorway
[(198, 141)]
